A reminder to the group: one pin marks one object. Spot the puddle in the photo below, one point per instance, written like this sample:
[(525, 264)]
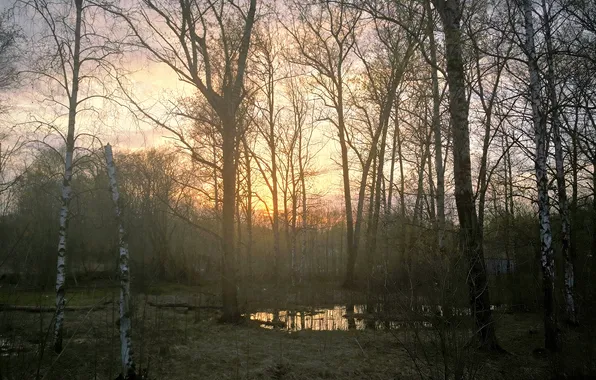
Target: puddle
[(330, 319), (337, 318), (317, 319)]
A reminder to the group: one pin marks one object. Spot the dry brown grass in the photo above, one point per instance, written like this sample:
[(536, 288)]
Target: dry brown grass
[(174, 344)]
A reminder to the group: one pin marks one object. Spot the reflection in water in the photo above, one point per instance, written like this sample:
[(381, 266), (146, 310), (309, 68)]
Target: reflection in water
[(315, 319), (350, 316), (336, 318)]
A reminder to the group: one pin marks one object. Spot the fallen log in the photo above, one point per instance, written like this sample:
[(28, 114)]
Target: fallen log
[(182, 305), (51, 309)]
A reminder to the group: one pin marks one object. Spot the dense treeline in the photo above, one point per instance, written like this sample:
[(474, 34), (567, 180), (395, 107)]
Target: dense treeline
[(171, 235)]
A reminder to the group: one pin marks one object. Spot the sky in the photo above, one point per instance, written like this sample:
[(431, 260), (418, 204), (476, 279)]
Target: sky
[(152, 84)]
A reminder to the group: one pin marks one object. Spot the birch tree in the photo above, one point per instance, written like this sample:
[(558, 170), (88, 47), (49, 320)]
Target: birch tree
[(74, 52), (559, 165), (541, 141), (126, 353)]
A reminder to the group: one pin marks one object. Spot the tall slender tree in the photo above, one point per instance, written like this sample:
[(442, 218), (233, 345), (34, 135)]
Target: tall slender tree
[(324, 35), (559, 166), (126, 353), (266, 74), (470, 233), (541, 141), (206, 44), (72, 65)]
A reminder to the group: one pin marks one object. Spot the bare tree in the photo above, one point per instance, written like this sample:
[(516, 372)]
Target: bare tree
[(128, 365), (436, 123), (470, 232), (303, 170), (385, 65), (206, 44), (78, 56), (8, 54), (559, 165), (486, 81), (324, 37), (541, 140), (266, 75), (248, 205)]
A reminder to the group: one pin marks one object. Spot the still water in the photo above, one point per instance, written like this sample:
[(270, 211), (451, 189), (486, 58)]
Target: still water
[(330, 319)]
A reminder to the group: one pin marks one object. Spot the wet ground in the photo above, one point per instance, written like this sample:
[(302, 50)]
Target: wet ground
[(330, 341)]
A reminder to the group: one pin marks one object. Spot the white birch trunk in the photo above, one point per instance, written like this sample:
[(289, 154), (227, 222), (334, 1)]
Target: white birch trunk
[(61, 262), (66, 183), (128, 365), (546, 249), (561, 186)]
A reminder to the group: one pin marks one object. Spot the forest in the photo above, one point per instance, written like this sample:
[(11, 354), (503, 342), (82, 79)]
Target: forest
[(297, 189)]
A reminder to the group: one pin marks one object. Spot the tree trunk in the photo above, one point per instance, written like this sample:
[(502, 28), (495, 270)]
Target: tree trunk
[(376, 205), (432, 211), (61, 263), (574, 183), (66, 183), (370, 254), (436, 123), (402, 188), (425, 152), (248, 209), (392, 165), (126, 353), (274, 194), (505, 148), (239, 242), (351, 246), (540, 137), (389, 204), (293, 237), (471, 237), (228, 273), (215, 173), (304, 209), (483, 179), (362, 194), (560, 170), (286, 213)]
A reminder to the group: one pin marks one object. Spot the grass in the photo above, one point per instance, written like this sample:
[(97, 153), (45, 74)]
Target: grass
[(74, 296), (175, 344)]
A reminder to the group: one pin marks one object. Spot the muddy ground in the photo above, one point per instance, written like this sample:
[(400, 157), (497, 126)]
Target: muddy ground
[(189, 343)]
